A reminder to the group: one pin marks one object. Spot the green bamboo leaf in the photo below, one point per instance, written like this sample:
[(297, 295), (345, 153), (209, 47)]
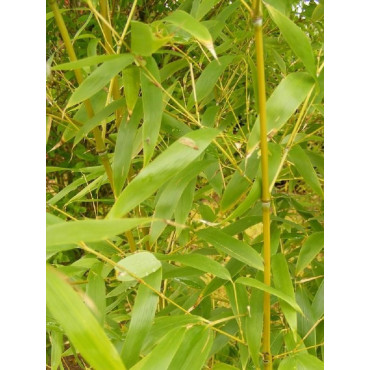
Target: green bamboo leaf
[(85, 62), (98, 182), (99, 78), (311, 247), (170, 196), (123, 151), (142, 318), (140, 264), (152, 106), (199, 262), (233, 266), (194, 349), (296, 38), (318, 303), (308, 362), (131, 85), (259, 285), (170, 69), (167, 164), (89, 230), (189, 24), (281, 105), (73, 186), (305, 319), (95, 121), (143, 41), (254, 323), (304, 166), (251, 198), (283, 282), (79, 323), (204, 7), (163, 324), (184, 205), (95, 289), (57, 346), (232, 247), (208, 78), (238, 184), (163, 353), (318, 13)]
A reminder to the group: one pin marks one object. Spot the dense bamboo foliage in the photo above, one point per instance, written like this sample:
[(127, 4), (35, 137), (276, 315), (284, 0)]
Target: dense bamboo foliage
[(185, 184)]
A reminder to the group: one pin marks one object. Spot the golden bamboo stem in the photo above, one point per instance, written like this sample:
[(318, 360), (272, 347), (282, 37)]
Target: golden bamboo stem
[(109, 46), (100, 147), (266, 339)]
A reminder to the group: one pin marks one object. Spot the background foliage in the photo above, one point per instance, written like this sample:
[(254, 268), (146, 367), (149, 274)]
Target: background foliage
[(158, 265)]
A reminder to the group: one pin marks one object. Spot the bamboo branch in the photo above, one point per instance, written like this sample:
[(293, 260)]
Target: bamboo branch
[(257, 23)]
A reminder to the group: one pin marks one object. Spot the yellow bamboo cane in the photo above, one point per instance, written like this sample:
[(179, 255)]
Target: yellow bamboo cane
[(100, 147), (257, 23)]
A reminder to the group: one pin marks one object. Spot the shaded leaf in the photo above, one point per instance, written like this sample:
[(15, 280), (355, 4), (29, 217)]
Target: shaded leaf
[(311, 247), (296, 38), (79, 323), (141, 318)]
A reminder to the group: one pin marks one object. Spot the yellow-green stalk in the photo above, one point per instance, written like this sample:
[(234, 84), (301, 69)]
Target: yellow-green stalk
[(257, 23), (100, 147), (109, 46)]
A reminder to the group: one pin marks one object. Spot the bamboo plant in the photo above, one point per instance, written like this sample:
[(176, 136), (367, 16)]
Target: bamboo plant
[(159, 253)]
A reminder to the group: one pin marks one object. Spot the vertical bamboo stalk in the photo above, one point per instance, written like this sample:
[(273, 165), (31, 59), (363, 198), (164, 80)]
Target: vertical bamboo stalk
[(109, 46), (257, 23), (100, 147)]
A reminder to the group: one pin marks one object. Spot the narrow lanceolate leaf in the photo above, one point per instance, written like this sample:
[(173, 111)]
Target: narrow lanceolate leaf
[(90, 124), (124, 147), (199, 262), (283, 282), (140, 264), (170, 196), (194, 349), (57, 347), (143, 41), (79, 323), (296, 38), (85, 62), (311, 247), (232, 247), (131, 85), (204, 7), (99, 78), (89, 230), (152, 105), (167, 164), (259, 285), (304, 361), (142, 318), (304, 166), (254, 323), (95, 289), (209, 77), (189, 24), (163, 353), (282, 104)]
